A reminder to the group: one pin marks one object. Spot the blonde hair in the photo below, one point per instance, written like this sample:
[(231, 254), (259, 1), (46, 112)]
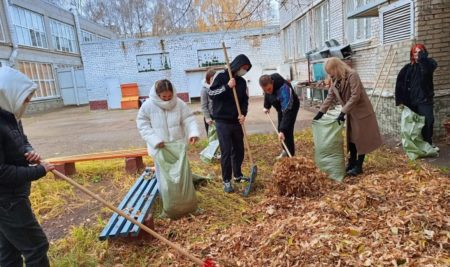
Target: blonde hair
[(341, 68)]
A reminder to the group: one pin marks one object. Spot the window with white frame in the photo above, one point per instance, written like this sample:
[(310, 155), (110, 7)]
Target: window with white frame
[(63, 36), (44, 76), (90, 37), (288, 39), (29, 27), (322, 24), (358, 29), (302, 37), (2, 33)]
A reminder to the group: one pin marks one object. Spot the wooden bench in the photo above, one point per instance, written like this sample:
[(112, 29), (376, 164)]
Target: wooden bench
[(137, 203), (133, 160)]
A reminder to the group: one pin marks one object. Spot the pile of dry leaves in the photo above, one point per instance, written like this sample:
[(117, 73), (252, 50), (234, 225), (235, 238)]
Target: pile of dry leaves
[(399, 218), (299, 177)]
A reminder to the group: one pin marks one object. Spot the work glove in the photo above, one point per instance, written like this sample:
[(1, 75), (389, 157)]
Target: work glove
[(423, 55), (340, 118), (318, 116)]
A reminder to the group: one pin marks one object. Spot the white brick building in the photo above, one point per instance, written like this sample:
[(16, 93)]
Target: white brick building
[(372, 27), (183, 59)]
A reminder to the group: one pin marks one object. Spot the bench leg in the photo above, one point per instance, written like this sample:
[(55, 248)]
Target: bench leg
[(143, 235), (133, 165), (66, 168)]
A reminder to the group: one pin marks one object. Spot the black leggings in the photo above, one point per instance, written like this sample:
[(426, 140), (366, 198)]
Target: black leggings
[(354, 157)]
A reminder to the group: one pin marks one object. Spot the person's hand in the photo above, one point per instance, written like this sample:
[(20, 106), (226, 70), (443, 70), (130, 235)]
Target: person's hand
[(210, 122), (48, 167), (33, 157), (341, 118), (160, 145), (241, 119), (318, 116), (281, 137), (423, 55), (193, 140), (266, 110), (232, 83)]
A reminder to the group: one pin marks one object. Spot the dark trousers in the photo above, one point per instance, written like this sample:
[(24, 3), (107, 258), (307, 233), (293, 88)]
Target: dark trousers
[(289, 131), (21, 234), (354, 157), (231, 140), (426, 110)]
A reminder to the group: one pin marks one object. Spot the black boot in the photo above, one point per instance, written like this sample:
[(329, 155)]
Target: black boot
[(357, 168), (350, 164)]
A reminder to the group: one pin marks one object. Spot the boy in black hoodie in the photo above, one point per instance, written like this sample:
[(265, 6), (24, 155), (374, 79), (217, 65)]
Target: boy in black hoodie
[(278, 93), (228, 122), (20, 232)]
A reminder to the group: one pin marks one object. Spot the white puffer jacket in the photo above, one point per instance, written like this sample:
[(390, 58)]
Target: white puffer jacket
[(165, 121)]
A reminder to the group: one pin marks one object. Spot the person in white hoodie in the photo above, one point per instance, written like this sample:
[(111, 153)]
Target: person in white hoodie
[(206, 101), (20, 232), (165, 118)]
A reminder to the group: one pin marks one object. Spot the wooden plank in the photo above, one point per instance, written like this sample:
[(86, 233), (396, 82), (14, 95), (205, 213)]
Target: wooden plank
[(148, 204), (139, 206), (100, 156), (113, 220)]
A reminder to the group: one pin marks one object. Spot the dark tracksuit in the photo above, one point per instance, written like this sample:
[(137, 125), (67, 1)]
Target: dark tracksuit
[(225, 113), (285, 101), (415, 89), (20, 233)]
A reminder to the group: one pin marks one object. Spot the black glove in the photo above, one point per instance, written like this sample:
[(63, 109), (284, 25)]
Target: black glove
[(318, 116), (423, 55), (341, 118)]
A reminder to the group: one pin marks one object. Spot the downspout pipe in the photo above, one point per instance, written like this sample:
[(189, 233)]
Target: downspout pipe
[(14, 41), (76, 18)]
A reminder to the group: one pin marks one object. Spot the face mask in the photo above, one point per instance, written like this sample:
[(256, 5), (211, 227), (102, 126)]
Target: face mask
[(241, 72)]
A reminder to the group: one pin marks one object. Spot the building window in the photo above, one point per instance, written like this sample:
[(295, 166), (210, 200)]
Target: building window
[(211, 57), (153, 62), (2, 33), (397, 22), (322, 24), (302, 37), (90, 37), (358, 29), (63, 36), (289, 42), (29, 27), (44, 76)]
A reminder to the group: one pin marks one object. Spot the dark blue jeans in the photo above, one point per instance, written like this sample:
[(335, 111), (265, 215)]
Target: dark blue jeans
[(231, 140), (21, 235)]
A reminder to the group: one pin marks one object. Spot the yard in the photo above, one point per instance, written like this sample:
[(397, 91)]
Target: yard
[(396, 214)]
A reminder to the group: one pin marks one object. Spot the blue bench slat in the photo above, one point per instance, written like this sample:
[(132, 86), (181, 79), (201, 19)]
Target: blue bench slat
[(130, 205), (105, 233), (138, 207), (151, 199)]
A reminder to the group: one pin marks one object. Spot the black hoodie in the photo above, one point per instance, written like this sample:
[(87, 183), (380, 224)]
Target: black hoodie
[(224, 106)]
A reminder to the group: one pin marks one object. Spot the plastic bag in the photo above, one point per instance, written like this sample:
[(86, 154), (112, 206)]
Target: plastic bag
[(329, 146), (411, 133), (176, 187), (211, 152)]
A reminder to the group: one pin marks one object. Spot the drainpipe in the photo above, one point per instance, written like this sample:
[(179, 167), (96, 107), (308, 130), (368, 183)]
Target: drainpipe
[(74, 11), (13, 35)]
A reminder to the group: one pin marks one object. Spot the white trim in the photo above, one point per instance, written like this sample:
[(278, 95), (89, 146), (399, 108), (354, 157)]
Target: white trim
[(394, 6), (65, 33)]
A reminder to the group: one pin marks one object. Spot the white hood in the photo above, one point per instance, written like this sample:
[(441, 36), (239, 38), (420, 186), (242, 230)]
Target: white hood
[(166, 105), (15, 87)]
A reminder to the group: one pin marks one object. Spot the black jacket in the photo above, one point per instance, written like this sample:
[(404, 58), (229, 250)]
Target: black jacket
[(15, 172), (286, 103), (415, 83), (224, 106)]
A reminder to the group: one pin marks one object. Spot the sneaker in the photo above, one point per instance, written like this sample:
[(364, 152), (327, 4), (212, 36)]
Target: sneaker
[(240, 179), (227, 187), (282, 155)]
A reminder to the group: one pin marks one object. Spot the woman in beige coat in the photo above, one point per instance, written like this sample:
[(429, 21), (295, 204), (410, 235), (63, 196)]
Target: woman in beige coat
[(363, 135)]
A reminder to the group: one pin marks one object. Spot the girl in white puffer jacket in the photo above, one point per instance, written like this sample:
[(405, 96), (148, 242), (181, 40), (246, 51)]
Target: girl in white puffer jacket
[(165, 118)]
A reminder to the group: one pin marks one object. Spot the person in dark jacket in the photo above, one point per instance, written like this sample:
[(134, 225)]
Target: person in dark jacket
[(20, 232), (415, 89), (278, 93), (228, 121)]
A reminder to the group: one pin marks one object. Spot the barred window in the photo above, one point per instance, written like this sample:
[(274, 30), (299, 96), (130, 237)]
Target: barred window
[(44, 76)]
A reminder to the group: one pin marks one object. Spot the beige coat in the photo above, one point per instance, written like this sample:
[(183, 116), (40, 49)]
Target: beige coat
[(362, 125)]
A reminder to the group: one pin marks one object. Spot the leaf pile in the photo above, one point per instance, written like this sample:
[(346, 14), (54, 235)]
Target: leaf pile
[(298, 177), (401, 218)]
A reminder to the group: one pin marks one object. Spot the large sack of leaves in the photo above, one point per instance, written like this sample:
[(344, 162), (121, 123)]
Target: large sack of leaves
[(176, 187), (211, 152), (329, 146), (411, 133)]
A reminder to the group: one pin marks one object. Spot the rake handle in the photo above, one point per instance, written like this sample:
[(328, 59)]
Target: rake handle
[(282, 142), (236, 100), (131, 219)]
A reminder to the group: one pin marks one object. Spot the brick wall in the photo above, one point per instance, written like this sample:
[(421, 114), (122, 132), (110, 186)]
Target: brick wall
[(117, 58)]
